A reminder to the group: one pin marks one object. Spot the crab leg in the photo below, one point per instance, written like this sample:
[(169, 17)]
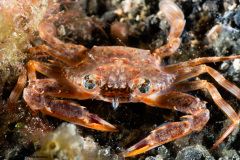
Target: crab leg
[(71, 54), (180, 102), (29, 71), (17, 91), (48, 69), (22, 80), (225, 107), (197, 61), (65, 110), (175, 17), (197, 70), (66, 58)]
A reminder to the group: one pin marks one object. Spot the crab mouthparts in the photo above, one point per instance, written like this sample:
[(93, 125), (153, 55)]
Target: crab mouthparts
[(115, 95)]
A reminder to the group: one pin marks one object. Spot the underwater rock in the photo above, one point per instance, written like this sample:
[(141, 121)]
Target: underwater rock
[(195, 152)]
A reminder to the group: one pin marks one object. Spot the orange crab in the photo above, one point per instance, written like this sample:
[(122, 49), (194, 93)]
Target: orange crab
[(119, 74)]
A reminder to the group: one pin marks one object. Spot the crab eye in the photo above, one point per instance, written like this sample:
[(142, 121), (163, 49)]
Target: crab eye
[(89, 81), (144, 85)]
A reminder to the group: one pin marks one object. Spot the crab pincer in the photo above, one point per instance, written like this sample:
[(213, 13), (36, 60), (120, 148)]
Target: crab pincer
[(77, 114), (63, 109)]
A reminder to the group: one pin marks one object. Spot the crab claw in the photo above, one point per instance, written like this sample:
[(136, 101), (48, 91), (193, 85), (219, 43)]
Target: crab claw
[(94, 122), (158, 137), (142, 146), (65, 110), (77, 114)]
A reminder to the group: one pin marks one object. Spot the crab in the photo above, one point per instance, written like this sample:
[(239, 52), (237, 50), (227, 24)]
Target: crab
[(120, 74)]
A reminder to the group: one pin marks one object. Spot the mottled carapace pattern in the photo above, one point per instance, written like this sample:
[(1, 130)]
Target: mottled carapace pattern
[(117, 68)]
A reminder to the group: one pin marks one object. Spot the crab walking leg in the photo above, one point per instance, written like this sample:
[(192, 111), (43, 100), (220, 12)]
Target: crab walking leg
[(17, 91), (65, 110), (48, 69), (47, 32), (66, 58), (197, 70), (225, 107), (180, 102), (22, 80), (175, 17), (197, 61)]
